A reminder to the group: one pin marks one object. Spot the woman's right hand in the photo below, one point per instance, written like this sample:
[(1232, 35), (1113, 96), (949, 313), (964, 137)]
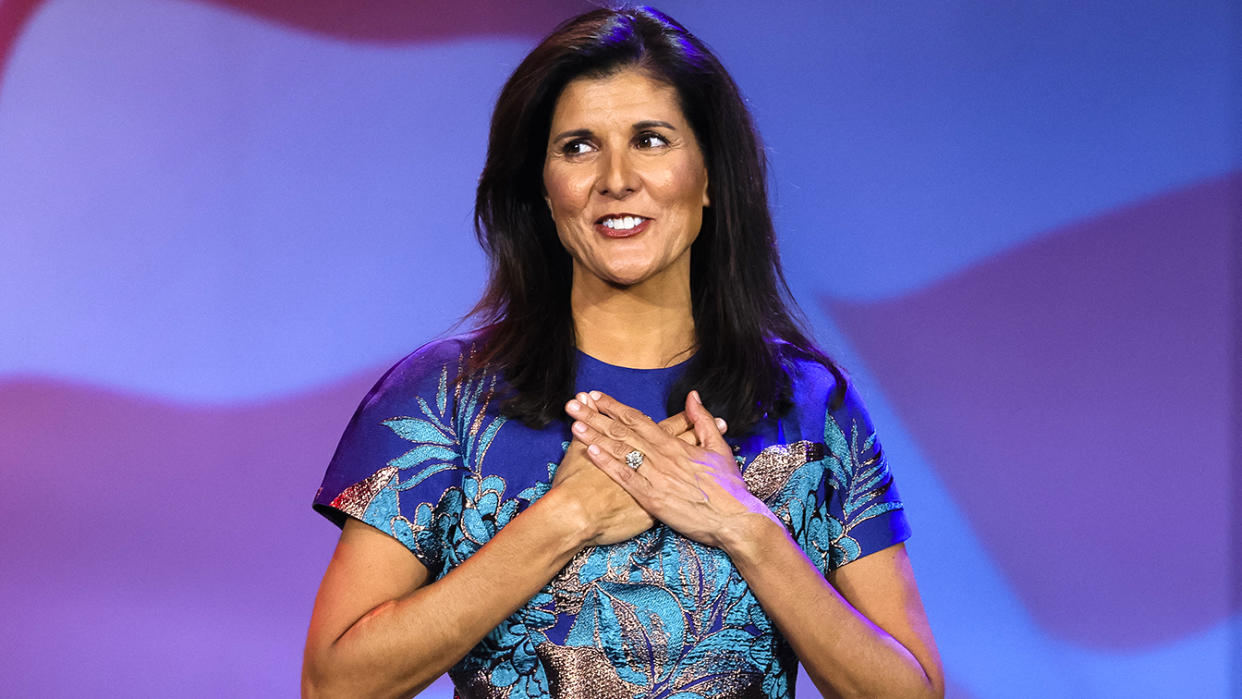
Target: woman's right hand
[(608, 513)]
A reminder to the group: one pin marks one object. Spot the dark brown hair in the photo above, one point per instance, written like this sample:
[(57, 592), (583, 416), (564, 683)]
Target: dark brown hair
[(747, 334)]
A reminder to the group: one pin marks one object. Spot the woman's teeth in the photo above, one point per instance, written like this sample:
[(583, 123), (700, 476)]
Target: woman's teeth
[(623, 223)]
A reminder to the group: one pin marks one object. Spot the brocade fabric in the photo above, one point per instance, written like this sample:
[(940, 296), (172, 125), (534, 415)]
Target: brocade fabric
[(430, 461)]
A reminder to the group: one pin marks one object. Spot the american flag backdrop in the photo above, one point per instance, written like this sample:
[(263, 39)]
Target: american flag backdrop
[(1019, 226)]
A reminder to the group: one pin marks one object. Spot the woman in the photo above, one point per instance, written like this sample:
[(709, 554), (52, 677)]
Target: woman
[(581, 549)]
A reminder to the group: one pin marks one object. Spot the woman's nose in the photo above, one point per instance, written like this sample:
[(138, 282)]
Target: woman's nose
[(618, 178)]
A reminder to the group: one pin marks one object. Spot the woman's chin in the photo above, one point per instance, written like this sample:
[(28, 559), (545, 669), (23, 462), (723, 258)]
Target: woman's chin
[(621, 283), (623, 277), (626, 279), (625, 274)]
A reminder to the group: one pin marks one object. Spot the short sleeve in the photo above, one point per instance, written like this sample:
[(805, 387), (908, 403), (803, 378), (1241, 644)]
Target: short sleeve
[(399, 458), (857, 510)]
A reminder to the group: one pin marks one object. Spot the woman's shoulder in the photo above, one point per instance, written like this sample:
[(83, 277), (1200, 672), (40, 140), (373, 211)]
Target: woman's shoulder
[(825, 394), (439, 353), (811, 375), (822, 390), (431, 368)]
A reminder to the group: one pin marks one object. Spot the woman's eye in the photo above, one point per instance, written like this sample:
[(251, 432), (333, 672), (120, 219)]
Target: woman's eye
[(651, 140), (577, 148)]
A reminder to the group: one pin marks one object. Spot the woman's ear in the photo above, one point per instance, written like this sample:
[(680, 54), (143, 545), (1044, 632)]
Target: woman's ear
[(546, 199)]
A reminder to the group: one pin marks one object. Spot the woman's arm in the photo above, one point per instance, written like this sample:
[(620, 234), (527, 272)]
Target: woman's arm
[(862, 634), (378, 629)]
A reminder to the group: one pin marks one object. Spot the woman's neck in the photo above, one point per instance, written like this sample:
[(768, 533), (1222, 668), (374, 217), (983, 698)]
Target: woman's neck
[(646, 326)]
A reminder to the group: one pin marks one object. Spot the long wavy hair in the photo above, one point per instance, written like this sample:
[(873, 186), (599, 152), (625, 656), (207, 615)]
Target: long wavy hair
[(747, 333)]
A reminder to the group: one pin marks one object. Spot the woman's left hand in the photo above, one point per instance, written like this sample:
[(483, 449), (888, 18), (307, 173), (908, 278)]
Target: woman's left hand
[(695, 489)]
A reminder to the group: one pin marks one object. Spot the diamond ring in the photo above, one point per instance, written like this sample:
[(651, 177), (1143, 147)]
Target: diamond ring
[(634, 459)]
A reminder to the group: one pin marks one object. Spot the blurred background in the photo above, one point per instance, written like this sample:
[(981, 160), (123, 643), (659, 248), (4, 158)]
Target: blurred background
[(1017, 224)]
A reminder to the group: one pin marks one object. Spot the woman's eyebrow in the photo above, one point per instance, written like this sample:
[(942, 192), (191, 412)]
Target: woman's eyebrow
[(638, 126), (575, 133)]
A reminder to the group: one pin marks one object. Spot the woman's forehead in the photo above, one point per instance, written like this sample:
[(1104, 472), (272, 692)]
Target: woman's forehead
[(628, 95)]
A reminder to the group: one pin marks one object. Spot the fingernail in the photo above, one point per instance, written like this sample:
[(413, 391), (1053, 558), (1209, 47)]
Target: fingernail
[(596, 394), (593, 449), (582, 398), (720, 424), (696, 397), (579, 427), (574, 406)]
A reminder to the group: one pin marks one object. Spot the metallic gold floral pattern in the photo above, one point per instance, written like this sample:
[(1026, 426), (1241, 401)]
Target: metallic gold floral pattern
[(582, 673), (771, 469), (355, 499)]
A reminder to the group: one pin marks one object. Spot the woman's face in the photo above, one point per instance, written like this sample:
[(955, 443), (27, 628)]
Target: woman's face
[(625, 179)]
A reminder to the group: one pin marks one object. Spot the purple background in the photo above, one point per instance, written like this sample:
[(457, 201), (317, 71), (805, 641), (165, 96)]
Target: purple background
[(1017, 225)]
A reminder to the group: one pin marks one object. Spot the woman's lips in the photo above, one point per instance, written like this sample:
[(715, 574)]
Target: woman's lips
[(624, 226)]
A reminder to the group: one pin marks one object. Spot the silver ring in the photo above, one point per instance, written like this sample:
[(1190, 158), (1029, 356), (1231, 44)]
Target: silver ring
[(634, 459)]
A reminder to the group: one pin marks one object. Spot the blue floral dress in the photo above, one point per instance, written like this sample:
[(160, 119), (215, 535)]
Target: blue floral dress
[(430, 461)]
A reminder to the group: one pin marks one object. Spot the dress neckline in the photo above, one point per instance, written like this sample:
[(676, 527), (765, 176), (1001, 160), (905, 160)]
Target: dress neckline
[(599, 363)]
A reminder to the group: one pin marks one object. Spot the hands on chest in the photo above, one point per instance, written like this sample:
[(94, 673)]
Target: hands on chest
[(686, 476)]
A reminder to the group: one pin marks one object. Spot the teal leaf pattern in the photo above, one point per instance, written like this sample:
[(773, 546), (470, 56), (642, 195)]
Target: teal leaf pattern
[(452, 433), (858, 473)]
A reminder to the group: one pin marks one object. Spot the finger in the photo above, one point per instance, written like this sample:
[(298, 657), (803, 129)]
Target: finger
[(634, 482), (590, 437), (628, 419), (705, 427), (586, 400), (617, 420), (608, 426), (679, 426), (595, 428)]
